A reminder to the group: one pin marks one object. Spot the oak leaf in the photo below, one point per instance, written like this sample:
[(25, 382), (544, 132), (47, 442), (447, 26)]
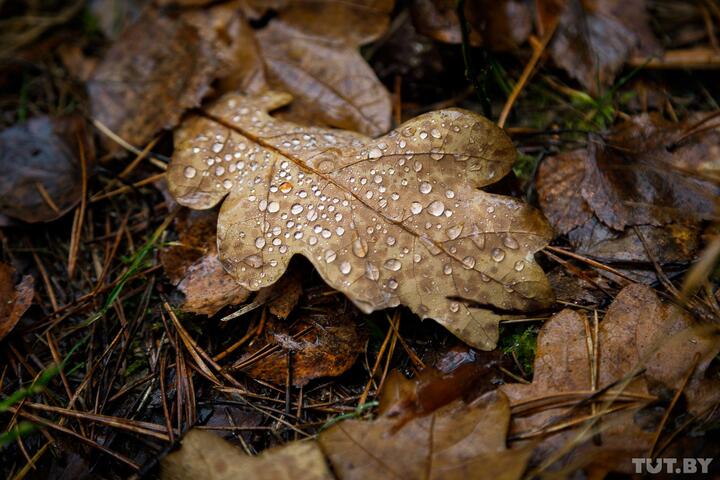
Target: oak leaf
[(395, 220)]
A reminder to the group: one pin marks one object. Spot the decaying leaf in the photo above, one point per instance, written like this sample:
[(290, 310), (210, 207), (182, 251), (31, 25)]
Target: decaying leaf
[(323, 345), (14, 299), (396, 220), (205, 455), (192, 264), (594, 39), (649, 178), (499, 25), (40, 161), (639, 333), (157, 69), (454, 442), (459, 374)]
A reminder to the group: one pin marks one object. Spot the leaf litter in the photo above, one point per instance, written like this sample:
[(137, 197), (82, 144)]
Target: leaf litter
[(638, 201)]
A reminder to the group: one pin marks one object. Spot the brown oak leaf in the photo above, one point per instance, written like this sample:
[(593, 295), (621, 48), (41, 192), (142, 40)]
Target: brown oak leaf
[(395, 220)]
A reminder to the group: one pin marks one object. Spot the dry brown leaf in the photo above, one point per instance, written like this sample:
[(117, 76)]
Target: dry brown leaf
[(455, 442), (157, 69), (321, 346), (638, 331), (396, 220), (207, 456), (192, 264), (594, 39), (14, 299), (636, 178), (40, 161)]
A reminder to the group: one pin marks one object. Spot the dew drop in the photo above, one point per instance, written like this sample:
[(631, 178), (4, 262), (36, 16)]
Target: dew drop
[(253, 261), (296, 209), (392, 284), (435, 133), (375, 153), (217, 147), (497, 254), (454, 232), (259, 242), (425, 187), (190, 172), (519, 265), (436, 208), (450, 194), (285, 187), (416, 207), (330, 256), (510, 243), (393, 264), (360, 248), (447, 269), (468, 262), (454, 307), (273, 207), (371, 271), (390, 240), (345, 267), (423, 135)]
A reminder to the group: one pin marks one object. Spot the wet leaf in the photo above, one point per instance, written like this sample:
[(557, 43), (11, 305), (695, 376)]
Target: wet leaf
[(14, 299), (454, 442), (459, 374), (41, 177), (594, 39), (157, 69), (638, 333), (499, 25), (396, 220), (205, 455), (192, 264), (322, 345), (648, 177)]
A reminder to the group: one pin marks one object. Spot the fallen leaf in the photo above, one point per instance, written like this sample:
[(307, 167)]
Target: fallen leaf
[(455, 442), (321, 345), (192, 265), (14, 299), (394, 220), (41, 178), (594, 39), (286, 293), (205, 455), (637, 180), (637, 332), (498, 25), (158, 68), (311, 51), (459, 374)]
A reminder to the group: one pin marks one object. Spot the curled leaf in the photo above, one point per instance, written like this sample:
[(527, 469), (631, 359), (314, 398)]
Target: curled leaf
[(395, 220)]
